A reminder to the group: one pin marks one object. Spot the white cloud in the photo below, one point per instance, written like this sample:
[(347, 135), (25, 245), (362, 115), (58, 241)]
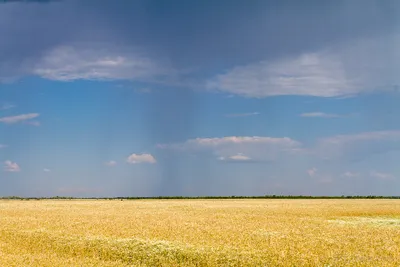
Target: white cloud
[(310, 74), (255, 147), (91, 62), (237, 157), (311, 172), (339, 148), (351, 174), (111, 163), (18, 118), (382, 176), (345, 70), (46, 170), (320, 115), (3, 146), (242, 114), (141, 158), (10, 166)]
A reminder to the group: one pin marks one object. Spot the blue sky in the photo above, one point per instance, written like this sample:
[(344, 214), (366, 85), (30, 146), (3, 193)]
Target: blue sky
[(145, 98)]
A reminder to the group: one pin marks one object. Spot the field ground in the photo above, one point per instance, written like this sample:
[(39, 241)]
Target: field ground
[(200, 233)]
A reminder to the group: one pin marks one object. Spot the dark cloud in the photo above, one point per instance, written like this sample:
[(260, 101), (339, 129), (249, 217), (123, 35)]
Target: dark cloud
[(199, 34)]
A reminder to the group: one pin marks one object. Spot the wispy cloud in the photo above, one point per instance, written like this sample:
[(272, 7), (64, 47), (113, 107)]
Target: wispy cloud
[(6, 106), (359, 145), (91, 62), (341, 148), (46, 170), (10, 166), (33, 123), (311, 172), (237, 157), (349, 69), (255, 147), (382, 175), (111, 163), (3, 146), (318, 177), (217, 141), (315, 74), (141, 158), (393, 135), (326, 115), (18, 118), (235, 115), (349, 174), (320, 115)]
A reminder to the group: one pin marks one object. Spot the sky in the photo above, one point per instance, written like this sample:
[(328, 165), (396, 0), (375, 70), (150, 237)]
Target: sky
[(230, 97)]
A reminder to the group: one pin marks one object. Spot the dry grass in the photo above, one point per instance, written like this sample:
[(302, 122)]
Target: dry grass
[(200, 233)]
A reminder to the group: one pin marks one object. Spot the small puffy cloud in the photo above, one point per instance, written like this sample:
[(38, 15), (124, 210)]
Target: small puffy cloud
[(141, 158), (311, 172), (381, 175), (10, 166), (46, 170), (255, 147), (111, 163), (18, 118), (235, 115), (351, 174), (320, 115)]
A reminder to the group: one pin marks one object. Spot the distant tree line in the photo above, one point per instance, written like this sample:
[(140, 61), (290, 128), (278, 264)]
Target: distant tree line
[(203, 197)]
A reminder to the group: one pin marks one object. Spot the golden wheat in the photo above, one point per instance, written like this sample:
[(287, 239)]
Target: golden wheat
[(200, 233)]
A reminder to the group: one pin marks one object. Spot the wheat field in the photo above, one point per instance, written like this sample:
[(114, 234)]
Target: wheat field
[(256, 232)]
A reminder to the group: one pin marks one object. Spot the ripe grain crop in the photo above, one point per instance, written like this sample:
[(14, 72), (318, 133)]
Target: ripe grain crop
[(200, 232)]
